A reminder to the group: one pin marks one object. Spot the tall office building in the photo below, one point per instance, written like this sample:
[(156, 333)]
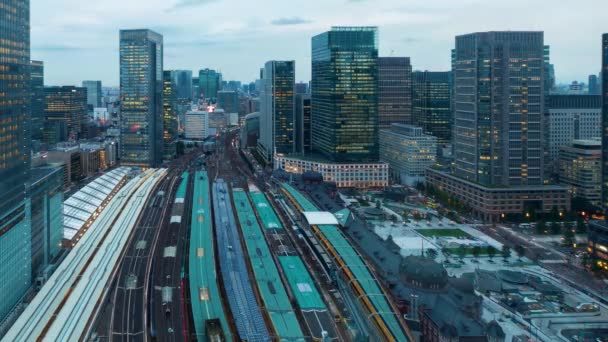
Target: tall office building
[(605, 119), (182, 80), (431, 103), (499, 89), (277, 108), (303, 128), (141, 87), (15, 232), (66, 105), (196, 93), (394, 91), (345, 94), (228, 100), (594, 85), (93, 94), (549, 70), (37, 84), (209, 83), (301, 88), (170, 90)]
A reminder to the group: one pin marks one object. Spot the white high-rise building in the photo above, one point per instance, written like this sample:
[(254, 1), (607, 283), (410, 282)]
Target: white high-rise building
[(197, 125)]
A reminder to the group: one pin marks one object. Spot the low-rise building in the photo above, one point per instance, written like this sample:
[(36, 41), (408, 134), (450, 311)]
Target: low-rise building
[(408, 152), (598, 243), (580, 168), (250, 132), (345, 175), (493, 203)]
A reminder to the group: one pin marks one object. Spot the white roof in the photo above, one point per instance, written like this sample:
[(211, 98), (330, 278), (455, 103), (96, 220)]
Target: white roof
[(320, 218)]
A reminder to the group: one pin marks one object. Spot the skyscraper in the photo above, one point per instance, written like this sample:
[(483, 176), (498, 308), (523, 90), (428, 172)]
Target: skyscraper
[(196, 93), (605, 119), (394, 91), (499, 89), (228, 100), (594, 85), (15, 232), (182, 80), (37, 84), (209, 81), (93, 94), (141, 86), (66, 105), (431, 104), (303, 129), (170, 90), (278, 108), (345, 94)]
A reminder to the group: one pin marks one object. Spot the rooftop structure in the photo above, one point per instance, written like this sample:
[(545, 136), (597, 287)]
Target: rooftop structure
[(320, 217)]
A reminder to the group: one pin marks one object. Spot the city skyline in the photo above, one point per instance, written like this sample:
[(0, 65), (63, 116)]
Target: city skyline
[(78, 44)]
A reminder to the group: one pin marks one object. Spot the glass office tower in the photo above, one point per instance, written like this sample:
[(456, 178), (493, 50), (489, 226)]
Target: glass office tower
[(604, 88), (182, 80), (37, 84), (394, 91), (431, 104), (66, 105), (345, 94), (93, 93), (209, 83), (277, 99), (499, 103), (170, 90), (15, 234), (141, 87)]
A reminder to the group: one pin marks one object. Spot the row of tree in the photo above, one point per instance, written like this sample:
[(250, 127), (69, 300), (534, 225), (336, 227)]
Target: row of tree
[(476, 251)]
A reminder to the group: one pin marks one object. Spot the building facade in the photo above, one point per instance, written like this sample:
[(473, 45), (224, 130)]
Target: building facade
[(209, 83), (182, 80), (277, 110), (408, 152), (170, 125), (141, 87), (431, 104), (94, 96), (499, 102), (37, 84), (345, 175), (197, 125), (580, 168), (15, 115), (394, 91), (345, 94), (594, 85), (303, 127), (67, 105), (605, 120), (250, 132), (572, 117), (597, 244), (228, 100)]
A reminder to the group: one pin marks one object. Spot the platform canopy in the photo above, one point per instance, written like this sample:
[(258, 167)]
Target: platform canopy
[(316, 218)]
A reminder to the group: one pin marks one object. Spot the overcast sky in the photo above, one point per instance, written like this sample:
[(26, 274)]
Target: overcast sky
[(78, 39)]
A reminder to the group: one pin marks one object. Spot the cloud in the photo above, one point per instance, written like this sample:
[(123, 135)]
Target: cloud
[(290, 21), (189, 3)]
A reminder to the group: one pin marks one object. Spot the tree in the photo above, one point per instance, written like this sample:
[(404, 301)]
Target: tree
[(431, 253), (446, 252), (491, 250), (462, 251), (506, 252), (541, 227), (520, 250), (476, 251), (378, 204), (568, 237), (556, 228), (581, 226)]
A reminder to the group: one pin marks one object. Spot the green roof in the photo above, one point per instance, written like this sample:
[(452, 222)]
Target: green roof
[(181, 191), (356, 265), (301, 283), (203, 274), (267, 276), (265, 211)]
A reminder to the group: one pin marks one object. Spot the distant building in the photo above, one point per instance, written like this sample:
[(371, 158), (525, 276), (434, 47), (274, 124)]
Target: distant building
[(47, 216), (93, 93), (37, 84), (228, 100), (303, 126), (67, 104), (580, 168), (594, 85), (250, 132), (408, 152), (394, 91), (69, 154), (572, 117), (141, 91), (209, 83), (170, 124), (576, 88), (197, 125), (301, 88), (196, 89), (345, 94), (345, 175), (277, 109), (431, 93), (182, 82)]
